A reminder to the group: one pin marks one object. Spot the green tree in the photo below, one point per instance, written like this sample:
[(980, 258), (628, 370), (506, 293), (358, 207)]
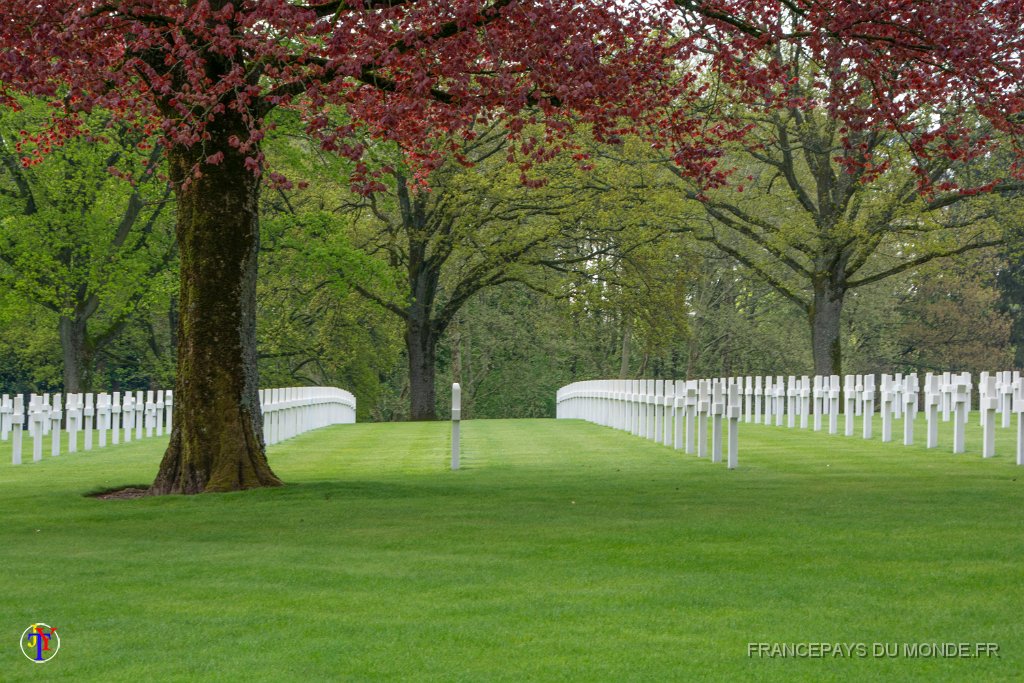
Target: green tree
[(90, 247)]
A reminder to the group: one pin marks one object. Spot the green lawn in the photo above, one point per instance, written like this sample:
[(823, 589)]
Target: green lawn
[(561, 551)]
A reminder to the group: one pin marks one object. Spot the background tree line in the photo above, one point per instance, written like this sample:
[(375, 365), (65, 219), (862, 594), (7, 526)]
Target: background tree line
[(618, 269)]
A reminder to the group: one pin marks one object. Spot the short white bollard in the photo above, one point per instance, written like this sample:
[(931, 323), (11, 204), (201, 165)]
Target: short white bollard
[(36, 420), (791, 399), (703, 408), (659, 411), (6, 410), (932, 404), (868, 411), (961, 397), (887, 399), (679, 406), (734, 425), (89, 414), (818, 401), (947, 395), (748, 397), (858, 389), (850, 401), (456, 418), (805, 401), (56, 413), (717, 412), (1018, 407), (73, 406), (987, 408), (833, 404), (18, 426), (910, 389), (757, 399), (691, 414)]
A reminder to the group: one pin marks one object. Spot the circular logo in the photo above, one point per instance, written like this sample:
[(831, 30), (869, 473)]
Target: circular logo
[(40, 643)]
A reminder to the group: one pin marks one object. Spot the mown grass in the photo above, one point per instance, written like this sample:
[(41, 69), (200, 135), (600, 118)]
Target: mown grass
[(561, 551)]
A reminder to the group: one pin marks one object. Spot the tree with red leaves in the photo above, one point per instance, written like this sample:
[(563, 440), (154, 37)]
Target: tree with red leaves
[(204, 74)]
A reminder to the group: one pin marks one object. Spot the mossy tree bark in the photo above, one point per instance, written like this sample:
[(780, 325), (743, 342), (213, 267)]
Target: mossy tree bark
[(217, 440), (421, 346), (825, 315)]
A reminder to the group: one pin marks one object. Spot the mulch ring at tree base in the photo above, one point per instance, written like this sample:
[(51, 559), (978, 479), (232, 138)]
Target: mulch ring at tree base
[(123, 493)]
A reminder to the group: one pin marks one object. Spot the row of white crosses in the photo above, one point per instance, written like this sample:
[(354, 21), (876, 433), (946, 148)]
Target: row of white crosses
[(292, 411), (96, 416), (117, 416), (673, 413), (657, 409)]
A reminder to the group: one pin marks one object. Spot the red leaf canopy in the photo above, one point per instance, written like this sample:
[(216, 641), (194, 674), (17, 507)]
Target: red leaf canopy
[(415, 71)]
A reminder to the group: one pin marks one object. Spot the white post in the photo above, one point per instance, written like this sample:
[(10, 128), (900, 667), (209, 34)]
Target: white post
[(703, 406), (987, 408), (635, 409), (169, 408), (73, 406), (36, 420), (757, 399), (679, 406), (44, 407), (128, 416), (897, 396), (642, 401), (805, 401), (769, 398), (1018, 407), (818, 401), (150, 414), (932, 404), (89, 414), (833, 401), (652, 411), (140, 407), (103, 417), (160, 406), (717, 412), (6, 410), (791, 396), (967, 381), (983, 389), (115, 418), (1006, 397), (961, 396), (56, 413), (456, 418), (868, 412), (886, 408), (748, 396), (850, 400), (858, 389), (669, 400), (18, 425), (947, 395), (734, 426), (780, 401), (659, 411), (910, 389), (691, 414)]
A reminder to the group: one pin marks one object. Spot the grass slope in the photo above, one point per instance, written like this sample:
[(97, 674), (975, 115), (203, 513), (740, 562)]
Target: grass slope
[(562, 551)]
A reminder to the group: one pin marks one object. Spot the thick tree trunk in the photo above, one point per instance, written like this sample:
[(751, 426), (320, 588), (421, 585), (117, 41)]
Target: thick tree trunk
[(824, 317), (75, 351), (217, 440), (421, 347)]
